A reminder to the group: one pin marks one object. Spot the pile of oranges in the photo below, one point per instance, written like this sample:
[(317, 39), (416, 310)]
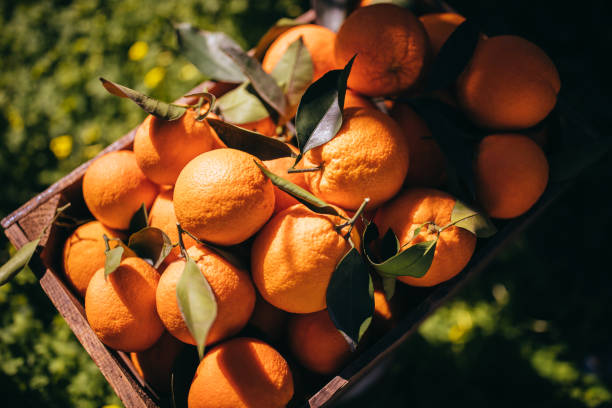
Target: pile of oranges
[(183, 172)]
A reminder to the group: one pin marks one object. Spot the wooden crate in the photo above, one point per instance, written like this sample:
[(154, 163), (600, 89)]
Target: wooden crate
[(27, 222)]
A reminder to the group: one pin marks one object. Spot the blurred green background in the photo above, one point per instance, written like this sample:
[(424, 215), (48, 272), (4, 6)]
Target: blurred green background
[(533, 329)]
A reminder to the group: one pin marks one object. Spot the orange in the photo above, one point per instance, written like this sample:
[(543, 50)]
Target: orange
[(410, 210), (391, 47), (114, 188), (222, 197), (84, 253), (154, 364), (121, 308), (427, 162), (162, 148), (241, 373), (280, 167), (510, 83), (318, 40), (511, 174), (294, 256), (231, 286), (439, 27), (265, 126), (353, 100), (269, 319), (354, 167), (317, 343), (162, 216)]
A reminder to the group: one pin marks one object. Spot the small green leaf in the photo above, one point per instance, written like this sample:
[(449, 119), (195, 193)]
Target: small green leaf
[(113, 259), (262, 82), (203, 97), (151, 243), (197, 303), (272, 34), (453, 57), (162, 110), (474, 221), (18, 262), (457, 139), (203, 49), (139, 220), (314, 203), (260, 146), (413, 261), (319, 114), (241, 106), (389, 284), (350, 297), (294, 71)]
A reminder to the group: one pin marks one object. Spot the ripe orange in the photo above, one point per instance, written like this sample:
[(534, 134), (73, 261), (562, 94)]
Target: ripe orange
[(84, 253), (222, 197), (391, 47), (162, 148), (269, 319), (114, 188), (427, 162), (162, 216), (294, 256), (280, 167), (318, 40), (121, 308), (439, 27), (265, 126), (231, 286), (511, 174), (354, 167), (510, 83), (154, 364), (241, 373), (411, 209), (353, 100), (317, 343)]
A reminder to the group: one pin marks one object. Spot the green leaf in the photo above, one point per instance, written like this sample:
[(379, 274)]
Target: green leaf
[(453, 57), (197, 303), (260, 146), (162, 110), (350, 297), (151, 243), (113, 259), (478, 223), (139, 220), (294, 71), (319, 115), (241, 106), (203, 49), (272, 34), (18, 262), (457, 139), (265, 86), (305, 197), (203, 97), (413, 261), (389, 283)]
